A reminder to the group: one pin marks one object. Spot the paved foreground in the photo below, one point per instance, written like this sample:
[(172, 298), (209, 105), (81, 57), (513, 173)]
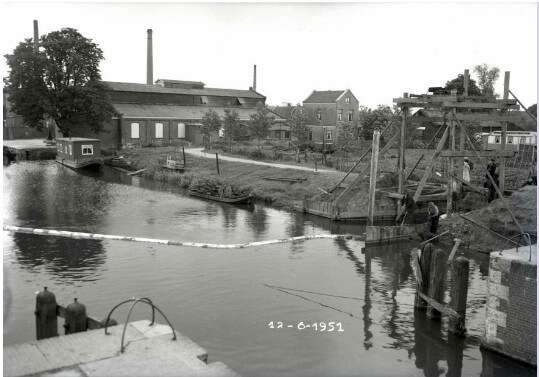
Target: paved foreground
[(149, 351)]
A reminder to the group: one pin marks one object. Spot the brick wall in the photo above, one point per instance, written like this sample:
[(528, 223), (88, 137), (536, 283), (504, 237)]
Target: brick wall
[(511, 313)]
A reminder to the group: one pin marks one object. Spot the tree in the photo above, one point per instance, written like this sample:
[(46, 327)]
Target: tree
[(61, 81), (261, 122), (486, 78), (211, 122), (376, 119), (298, 124), (345, 140), (231, 126), (458, 84)]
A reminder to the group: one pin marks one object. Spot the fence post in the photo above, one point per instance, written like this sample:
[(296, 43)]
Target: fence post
[(46, 315), (459, 294), (183, 152), (374, 170), (217, 162), (315, 164), (436, 283), (424, 264)]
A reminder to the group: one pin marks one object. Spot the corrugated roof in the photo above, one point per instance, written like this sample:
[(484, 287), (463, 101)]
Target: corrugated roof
[(181, 81), (325, 96), (147, 88), (129, 110)]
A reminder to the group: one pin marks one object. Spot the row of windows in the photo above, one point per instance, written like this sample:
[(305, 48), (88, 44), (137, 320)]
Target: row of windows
[(135, 130), (329, 135), (496, 139), (339, 115)]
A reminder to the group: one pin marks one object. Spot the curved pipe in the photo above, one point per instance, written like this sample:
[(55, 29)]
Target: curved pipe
[(126, 301), (520, 236)]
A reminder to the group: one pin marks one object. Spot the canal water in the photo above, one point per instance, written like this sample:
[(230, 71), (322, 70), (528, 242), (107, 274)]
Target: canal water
[(263, 311)]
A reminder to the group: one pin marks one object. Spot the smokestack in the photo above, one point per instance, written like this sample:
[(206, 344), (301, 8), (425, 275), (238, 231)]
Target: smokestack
[(149, 62), (254, 79), (36, 37)]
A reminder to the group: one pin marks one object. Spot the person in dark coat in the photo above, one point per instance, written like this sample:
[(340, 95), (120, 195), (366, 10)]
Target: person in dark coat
[(434, 217), (407, 209)]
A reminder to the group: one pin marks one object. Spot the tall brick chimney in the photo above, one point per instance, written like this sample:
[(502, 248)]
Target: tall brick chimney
[(36, 37), (254, 79), (149, 61)]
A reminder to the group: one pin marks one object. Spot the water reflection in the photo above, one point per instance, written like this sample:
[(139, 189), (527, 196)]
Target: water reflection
[(65, 258), (257, 221), (230, 215)]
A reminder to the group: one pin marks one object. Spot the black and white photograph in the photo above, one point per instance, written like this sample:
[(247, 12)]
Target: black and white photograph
[(269, 189)]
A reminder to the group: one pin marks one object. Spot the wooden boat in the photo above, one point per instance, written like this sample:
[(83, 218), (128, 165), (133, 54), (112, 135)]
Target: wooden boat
[(236, 200), (78, 152)]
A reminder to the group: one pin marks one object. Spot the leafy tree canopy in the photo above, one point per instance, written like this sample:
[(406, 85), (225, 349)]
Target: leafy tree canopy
[(61, 81), (458, 84), (211, 122), (231, 123), (261, 122), (346, 139), (376, 119), (298, 124), (486, 78)]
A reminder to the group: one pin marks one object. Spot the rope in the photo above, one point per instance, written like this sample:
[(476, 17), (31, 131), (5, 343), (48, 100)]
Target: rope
[(95, 236)]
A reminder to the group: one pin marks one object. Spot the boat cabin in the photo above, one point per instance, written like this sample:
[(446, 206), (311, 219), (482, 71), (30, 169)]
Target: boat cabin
[(78, 152)]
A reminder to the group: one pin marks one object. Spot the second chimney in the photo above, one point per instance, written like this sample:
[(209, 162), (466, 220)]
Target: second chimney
[(254, 79), (149, 61), (36, 37)]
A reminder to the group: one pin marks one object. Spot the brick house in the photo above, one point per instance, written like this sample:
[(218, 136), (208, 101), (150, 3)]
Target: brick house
[(326, 110)]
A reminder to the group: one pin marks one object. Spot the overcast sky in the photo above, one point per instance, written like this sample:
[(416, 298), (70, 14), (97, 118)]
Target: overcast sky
[(377, 50)]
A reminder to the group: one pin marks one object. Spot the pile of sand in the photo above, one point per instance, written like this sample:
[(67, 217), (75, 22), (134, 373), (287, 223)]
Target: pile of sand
[(496, 217)]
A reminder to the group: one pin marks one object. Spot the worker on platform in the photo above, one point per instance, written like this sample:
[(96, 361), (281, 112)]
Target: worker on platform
[(406, 210), (434, 217), (466, 168), (532, 176)]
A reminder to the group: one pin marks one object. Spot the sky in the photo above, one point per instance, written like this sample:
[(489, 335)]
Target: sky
[(377, 50)]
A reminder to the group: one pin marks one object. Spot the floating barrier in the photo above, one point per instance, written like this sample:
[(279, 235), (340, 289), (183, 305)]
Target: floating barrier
[(95, 236)]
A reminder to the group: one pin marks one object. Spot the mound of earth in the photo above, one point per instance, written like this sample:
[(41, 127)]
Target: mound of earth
[(496, 217)]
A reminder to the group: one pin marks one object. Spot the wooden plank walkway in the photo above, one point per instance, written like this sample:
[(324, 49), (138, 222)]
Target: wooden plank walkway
[(149, 351)]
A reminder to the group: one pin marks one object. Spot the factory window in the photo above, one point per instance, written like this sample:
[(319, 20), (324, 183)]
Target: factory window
[(135, 131), (339, 116), (241, 101), (277, 134), (204, 100), (159, 130), (497, 139), (319, 115), (87, 150), (310, 134), (65, 149), (181, 131), (70, 149), (328, 135), (350, 115), (287, 134), (509, 139)]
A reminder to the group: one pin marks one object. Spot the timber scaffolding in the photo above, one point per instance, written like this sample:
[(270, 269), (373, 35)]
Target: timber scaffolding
[(458, 110)]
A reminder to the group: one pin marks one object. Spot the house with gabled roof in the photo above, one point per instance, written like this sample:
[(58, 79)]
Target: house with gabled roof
[(326, 110)]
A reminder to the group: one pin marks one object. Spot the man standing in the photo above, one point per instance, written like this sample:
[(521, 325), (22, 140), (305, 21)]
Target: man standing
[(434, 217)]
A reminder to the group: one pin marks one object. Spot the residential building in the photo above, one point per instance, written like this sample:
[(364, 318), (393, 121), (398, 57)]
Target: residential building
[(326, 110)]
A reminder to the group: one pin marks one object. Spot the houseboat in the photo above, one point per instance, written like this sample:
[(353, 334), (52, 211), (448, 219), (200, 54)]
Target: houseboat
[(78, 152)]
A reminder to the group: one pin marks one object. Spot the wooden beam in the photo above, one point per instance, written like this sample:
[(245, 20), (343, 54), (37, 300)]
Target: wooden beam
[(463, 118), (497, 153), (431, 164), (504, 133), (362, 174), (466, 82), (374, 170), (479, 105), (401, 149), (440, 307), (450, 179)]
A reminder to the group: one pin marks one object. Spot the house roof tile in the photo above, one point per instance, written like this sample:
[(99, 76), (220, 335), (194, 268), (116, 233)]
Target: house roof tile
[(324, 96)]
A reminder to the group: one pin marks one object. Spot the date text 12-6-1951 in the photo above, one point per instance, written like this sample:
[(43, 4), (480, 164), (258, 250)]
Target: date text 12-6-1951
[(316, 326)]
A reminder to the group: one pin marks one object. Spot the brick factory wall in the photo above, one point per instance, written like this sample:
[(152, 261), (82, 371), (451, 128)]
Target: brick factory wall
[(511, 314)]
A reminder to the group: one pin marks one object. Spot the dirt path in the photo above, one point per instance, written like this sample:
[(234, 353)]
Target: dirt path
[(199, 153)]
